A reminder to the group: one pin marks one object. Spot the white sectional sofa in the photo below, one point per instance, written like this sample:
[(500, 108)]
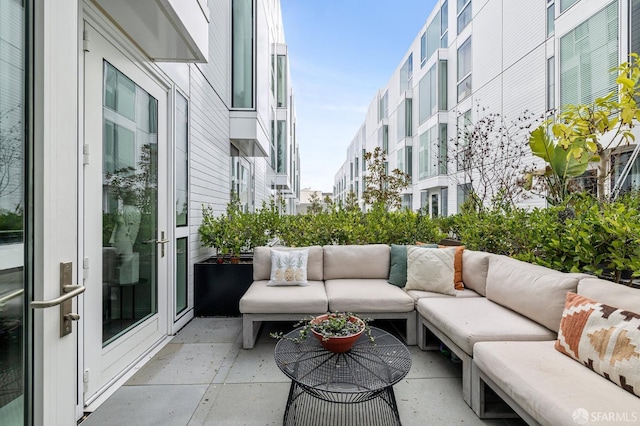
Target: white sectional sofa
[(350, 278), (503, 325)]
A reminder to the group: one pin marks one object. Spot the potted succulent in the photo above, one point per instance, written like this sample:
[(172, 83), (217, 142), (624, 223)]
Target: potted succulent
[(336, 331)]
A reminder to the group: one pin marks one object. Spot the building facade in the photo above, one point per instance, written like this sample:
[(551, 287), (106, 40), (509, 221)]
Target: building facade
[(118, 121), (473, 58)]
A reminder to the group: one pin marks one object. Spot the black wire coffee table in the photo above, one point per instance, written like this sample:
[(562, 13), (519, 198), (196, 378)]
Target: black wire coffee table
[(351, 388)]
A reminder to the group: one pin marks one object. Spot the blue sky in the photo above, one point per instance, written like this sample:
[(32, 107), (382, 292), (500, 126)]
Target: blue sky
[(340, 53)]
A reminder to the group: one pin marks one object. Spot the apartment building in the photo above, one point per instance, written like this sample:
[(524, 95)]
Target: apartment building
[(476, 57), (119, 120)]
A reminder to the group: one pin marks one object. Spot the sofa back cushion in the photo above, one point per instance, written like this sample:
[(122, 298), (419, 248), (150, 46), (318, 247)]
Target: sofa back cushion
[(475, 265), (534, 291), (262, 262), (608, 292), (356, 261), (604, 338)]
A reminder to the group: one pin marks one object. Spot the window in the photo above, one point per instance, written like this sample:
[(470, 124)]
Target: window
[(434, 205), (241, 179), (351, 171), (364, 163), (405, 125), (442, 147), (464, 190), (182, 274), (587, 54), (464, 120), (242, 53), (442, 85), (634, 26), (383, 138), (407, 201), (182, 160), (281, 147), (444, 201), (357, 167), (433, 36), (405, 160), (427, 93), (444, 25), (432, 152), (408, 118), (406, 73), (551, 84), (273, 143), (357, 190), (383, 106), (464, 70), (464, 14), (565, 4), (281, 100), (551, 17), (632, 181), (423, 49), (424, 199)]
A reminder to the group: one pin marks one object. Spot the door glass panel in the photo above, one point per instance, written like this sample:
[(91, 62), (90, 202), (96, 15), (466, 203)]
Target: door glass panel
[(181, 275), (129, 206), (12, 143), (182, 160)]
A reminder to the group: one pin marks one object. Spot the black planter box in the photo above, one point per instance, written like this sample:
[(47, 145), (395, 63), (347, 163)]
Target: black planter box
[(218, 287)]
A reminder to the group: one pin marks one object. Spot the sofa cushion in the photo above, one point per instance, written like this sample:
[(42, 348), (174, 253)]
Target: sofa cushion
[(262, 262), (356, 261), (289, 267), (467, 321), (431, 269), (262, 299), (419, 294), (532, 290), (474, 272), (398, 265), (551, 387), (610, 293), (603, 338), (367, 295)]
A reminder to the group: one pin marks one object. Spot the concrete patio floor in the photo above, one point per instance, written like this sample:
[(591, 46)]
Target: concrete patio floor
[(204, 377)]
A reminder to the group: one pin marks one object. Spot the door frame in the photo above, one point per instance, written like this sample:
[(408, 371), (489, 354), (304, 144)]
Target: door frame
[(91, 15)]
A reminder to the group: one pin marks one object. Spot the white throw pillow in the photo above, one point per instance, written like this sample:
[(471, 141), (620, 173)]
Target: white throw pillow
[(289, 267), (431, 269)]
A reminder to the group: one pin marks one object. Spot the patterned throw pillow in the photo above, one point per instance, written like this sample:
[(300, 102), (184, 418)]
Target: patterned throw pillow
[(430, 269), (603, 338), (289, 267)]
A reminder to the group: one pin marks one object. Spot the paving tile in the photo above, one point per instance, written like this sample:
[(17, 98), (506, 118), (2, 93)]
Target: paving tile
[(183, 363), (246, 404), (431, 364), (256, 365), (210, 330), (155, 405), (436, 401)]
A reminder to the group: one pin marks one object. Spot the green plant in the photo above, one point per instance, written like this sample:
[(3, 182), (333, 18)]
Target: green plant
[(576, 138), (337, 324), (383, 188)]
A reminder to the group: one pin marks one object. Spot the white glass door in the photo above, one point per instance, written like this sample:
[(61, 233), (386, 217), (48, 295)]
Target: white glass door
[(13, 359), (126, 243)]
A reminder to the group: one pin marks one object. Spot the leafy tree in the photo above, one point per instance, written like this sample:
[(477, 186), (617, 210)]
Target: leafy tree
[(587, 133), (315, 204), (383, 188)]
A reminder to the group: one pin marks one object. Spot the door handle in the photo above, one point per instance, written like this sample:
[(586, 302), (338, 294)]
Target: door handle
[(161, 242), (69, 291)]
